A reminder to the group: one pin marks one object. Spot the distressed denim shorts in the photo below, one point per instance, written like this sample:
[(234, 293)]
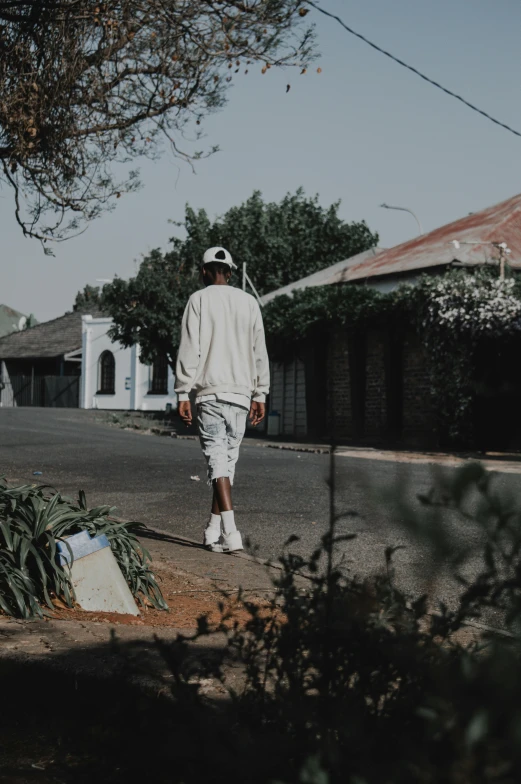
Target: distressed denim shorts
[(221, 430)]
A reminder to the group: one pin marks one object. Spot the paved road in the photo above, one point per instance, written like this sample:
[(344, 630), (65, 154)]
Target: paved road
[(278, 493)]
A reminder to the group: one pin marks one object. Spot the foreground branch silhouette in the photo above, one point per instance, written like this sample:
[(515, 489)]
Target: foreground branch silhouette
[(85, 85)]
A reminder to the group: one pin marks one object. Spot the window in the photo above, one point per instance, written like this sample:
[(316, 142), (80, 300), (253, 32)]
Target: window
[(159, 382), (107, 373)]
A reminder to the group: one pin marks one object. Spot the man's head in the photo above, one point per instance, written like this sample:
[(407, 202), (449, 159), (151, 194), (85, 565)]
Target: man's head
[(217, 266)]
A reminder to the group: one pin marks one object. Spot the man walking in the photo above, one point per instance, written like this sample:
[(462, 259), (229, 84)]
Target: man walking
[(222, 359)]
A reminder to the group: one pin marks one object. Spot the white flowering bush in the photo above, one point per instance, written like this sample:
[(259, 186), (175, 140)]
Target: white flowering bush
[(454, 312), (473, 304)]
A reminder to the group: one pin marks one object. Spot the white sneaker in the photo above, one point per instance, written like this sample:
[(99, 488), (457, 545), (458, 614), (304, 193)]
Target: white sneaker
[(211, 537), (217, 547), (232, 542)]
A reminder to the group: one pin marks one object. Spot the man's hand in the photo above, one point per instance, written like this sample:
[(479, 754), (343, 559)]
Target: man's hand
[(185, 412), (257, 412)]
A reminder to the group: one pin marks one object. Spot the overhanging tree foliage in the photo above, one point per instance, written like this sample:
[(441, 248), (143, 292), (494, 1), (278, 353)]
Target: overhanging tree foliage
[(280, 242), (87, 84)]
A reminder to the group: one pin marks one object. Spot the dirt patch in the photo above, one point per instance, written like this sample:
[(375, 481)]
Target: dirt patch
[(188, 599)]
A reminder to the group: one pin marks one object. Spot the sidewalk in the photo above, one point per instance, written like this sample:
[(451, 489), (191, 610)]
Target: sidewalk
[(505, 462)]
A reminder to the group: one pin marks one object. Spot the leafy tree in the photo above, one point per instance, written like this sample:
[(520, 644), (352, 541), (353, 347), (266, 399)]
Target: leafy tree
[(90, 298), (280, 243), (85, 84), (148, 309)]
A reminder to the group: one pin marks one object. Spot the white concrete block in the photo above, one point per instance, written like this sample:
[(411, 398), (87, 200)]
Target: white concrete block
[(96, 577)]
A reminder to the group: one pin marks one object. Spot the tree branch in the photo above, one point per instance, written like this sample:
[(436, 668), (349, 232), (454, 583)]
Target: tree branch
[(83, 86)]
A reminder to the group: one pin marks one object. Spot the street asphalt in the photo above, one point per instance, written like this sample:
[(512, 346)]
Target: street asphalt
[(278, 493)]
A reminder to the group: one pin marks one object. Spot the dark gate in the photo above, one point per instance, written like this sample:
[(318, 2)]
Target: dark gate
[(46, 391), (497, 414)]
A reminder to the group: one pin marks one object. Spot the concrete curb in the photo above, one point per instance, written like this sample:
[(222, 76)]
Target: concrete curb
[(493, 461), (451, 460), (396, 456)]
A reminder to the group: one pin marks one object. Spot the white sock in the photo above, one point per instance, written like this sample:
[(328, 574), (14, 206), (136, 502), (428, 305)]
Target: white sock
[(215, 522), (228, 522)]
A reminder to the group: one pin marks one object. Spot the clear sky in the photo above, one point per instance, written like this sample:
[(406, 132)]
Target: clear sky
[(365, 131)]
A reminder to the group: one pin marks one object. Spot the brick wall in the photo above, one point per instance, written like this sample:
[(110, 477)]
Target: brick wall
[(418, 415), (375, 387), (340, 415), (419, 427), (339, 418)]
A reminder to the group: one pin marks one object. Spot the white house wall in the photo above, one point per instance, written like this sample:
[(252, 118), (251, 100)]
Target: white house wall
[(132, 377), (7, 399)]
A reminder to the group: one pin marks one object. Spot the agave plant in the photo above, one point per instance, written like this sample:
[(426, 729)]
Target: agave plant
[(33, 519)]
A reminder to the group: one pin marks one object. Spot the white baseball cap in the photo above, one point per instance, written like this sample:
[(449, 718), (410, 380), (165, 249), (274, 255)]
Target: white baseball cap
[(220, 255)]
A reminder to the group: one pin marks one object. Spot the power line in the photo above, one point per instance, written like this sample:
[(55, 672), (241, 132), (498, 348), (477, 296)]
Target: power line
[(410, 68)]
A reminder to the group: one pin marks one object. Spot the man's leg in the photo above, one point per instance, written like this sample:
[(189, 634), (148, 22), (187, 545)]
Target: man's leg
[(223, 491), (218, 426), (235, 427), (212, 532), (212, 434), (222, 495), (215, 516)]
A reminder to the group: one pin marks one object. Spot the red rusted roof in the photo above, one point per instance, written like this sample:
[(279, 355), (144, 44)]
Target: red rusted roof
[(501, 223)]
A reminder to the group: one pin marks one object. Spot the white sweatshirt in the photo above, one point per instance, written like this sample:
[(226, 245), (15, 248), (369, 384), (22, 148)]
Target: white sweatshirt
[(222, 346)]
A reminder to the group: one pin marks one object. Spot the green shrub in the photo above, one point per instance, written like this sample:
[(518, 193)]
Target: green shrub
[(32, 520), (353, 681)]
